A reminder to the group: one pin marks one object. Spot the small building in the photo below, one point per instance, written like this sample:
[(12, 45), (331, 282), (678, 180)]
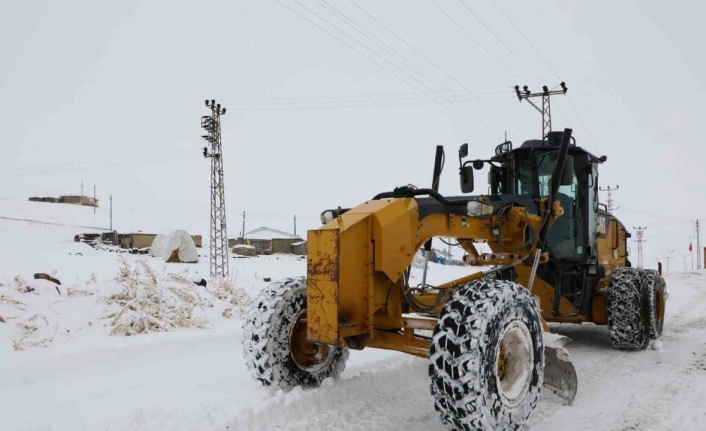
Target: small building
[(299, 248), (267, 240), (68, 199), (44, 199), (129, 241), (79, 200), (136, 240)]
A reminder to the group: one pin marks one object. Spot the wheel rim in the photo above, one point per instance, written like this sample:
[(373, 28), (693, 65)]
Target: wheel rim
[(514, 363), (306, 355)]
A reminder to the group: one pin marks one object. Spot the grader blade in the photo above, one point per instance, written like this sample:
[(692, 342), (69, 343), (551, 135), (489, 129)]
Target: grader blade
[(559, 372)]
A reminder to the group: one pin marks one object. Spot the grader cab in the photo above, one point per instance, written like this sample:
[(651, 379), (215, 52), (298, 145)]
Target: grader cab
[(555, 257)]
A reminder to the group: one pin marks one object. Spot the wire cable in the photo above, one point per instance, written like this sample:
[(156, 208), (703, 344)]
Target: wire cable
[(536, 51), (470, 36), (490, 30), (395, 53), (470, 110), (436, 66), (438, 101)]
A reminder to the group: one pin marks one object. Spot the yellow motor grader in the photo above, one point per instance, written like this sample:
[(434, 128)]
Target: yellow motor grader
[(556, 256)]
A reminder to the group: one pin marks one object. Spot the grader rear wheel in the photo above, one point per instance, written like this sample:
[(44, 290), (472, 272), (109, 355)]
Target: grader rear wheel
[(656, 301), (275, 342), (629, 310), (487, 357)]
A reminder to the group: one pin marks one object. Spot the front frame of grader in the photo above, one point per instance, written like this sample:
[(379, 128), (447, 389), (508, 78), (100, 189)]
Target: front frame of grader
[(358, 269)]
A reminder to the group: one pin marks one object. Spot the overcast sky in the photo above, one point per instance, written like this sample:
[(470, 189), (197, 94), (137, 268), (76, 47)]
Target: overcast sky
[(332, 101)]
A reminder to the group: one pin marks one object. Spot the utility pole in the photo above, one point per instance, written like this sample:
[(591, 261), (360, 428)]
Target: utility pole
[(219, 237), (111, 212), (295, 225), (698, 244), (81, 188), (640, 239), (243, 235), (670, 255), (545, 110), (608, 189)]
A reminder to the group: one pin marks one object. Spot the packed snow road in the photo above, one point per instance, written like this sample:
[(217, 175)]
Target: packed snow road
[(81, 378), (663, 388), (196, 379)]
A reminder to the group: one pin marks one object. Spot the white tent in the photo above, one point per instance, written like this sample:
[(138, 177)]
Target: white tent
[(175, 246)]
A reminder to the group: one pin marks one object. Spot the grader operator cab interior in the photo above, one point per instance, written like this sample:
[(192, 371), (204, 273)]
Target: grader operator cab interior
[(556, 256)]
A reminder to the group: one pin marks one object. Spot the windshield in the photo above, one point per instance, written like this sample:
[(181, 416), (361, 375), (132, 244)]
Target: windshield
[(563, 236), (524, 177)]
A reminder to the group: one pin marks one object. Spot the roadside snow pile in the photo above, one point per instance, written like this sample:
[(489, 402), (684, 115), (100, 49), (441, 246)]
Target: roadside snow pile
[(27, 312), (175, 246), (157, 303), (140, 299), (144, 306)]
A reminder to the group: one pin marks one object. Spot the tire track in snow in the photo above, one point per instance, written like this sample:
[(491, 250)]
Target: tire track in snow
[(624, 379), (392, 397), (396, 396), (653, 414)]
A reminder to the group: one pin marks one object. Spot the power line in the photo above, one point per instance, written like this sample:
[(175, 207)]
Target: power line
[(96, 165), (436, 66), (578, 115), (536, 51), (78, 166), (373, 96), (487, 51), (441, 103), (490, 30), (342, 104), (425, 75), (370, 36)]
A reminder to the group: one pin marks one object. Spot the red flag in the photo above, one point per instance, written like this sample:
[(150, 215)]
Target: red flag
[(689, 246)]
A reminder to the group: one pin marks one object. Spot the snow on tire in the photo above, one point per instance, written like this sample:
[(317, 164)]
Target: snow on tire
[(487, 357), (628, 310), (274, 341), (655, 289)]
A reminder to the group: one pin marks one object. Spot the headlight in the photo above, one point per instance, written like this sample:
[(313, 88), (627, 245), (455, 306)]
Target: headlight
[(478, 209), (327, 216)]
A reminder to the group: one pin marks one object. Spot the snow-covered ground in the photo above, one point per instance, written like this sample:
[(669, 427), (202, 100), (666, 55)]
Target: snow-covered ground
[(62, 370)]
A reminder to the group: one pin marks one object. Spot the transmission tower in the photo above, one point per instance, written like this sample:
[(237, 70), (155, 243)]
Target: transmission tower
[(640, 239), (219, 238), (608, 189), (545, 110), (698, 244)]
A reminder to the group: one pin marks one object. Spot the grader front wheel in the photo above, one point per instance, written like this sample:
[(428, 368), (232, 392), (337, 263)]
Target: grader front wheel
[(275, 343), (487, 357)]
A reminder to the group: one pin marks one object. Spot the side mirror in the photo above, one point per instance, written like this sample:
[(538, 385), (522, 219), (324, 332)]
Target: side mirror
[(466, 174), (463, 151), (567, 177)]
